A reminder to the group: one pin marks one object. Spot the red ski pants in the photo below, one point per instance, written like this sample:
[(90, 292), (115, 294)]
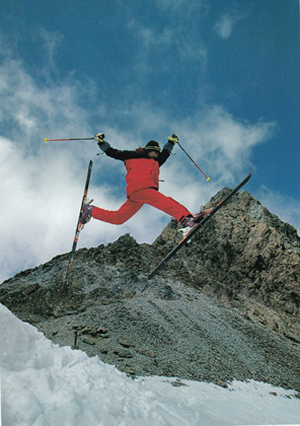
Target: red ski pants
[(135, 201)]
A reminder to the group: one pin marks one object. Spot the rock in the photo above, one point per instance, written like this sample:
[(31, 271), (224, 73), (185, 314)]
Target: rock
[(147, 353), (227, 306), (89, 341), (123, 353)]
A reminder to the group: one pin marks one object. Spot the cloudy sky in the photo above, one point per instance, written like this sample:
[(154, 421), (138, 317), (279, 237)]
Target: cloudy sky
[(223, 74)]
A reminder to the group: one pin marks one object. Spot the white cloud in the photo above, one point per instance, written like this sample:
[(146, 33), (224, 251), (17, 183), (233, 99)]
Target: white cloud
[(51, 41), (223, 141), (37, 112), (151, 38), (224, 25), (186, 45), (37, 206)]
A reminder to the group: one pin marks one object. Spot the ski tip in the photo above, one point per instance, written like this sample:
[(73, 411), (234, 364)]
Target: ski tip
[(46, 140)]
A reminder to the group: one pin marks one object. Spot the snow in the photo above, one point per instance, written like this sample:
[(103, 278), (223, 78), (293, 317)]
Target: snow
[(47, 385)]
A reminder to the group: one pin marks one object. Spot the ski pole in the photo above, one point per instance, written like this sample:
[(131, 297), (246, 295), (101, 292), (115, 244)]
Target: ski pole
[(74, 139), (187, 154)]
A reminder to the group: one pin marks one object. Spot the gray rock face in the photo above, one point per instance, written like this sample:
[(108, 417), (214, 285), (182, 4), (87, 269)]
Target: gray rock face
[(226, 306)]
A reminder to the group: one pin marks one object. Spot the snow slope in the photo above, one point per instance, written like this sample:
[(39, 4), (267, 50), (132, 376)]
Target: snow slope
[(45, 385)]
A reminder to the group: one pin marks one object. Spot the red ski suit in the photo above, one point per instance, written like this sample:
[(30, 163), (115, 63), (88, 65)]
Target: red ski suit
[(142, 186)]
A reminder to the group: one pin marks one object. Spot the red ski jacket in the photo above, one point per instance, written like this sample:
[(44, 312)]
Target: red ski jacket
[(142, 171)]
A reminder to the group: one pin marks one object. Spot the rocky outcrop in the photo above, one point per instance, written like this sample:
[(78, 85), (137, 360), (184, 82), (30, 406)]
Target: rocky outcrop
[(248, 257), (227, 306)]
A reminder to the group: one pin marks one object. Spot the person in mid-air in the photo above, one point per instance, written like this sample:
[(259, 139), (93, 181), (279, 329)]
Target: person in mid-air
[(142, 166)]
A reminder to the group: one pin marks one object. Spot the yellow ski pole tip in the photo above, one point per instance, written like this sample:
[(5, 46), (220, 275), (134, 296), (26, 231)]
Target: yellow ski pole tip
[(208, 179), (46, 140)]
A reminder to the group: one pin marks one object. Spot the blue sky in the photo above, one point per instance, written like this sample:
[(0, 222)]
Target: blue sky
[(222, 74)]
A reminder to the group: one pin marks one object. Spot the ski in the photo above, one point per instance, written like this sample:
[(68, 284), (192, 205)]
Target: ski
[(79, 224), (196, 228)]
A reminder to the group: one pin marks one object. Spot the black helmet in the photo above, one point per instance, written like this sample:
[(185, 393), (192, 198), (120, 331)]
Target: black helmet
[(152, 146)]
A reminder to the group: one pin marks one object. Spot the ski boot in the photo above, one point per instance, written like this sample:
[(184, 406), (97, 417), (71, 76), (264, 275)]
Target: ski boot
[(191, 221), (86, 213)]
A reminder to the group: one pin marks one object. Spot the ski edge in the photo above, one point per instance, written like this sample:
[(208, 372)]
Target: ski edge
[(196, 227)]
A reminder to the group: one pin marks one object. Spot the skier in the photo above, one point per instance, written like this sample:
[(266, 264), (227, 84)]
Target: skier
[(142, 166)]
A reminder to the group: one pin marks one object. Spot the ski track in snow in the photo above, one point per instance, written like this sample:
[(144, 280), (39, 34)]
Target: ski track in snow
[(45, 385)]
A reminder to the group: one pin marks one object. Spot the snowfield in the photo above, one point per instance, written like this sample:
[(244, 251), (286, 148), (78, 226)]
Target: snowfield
[(45, 385)]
